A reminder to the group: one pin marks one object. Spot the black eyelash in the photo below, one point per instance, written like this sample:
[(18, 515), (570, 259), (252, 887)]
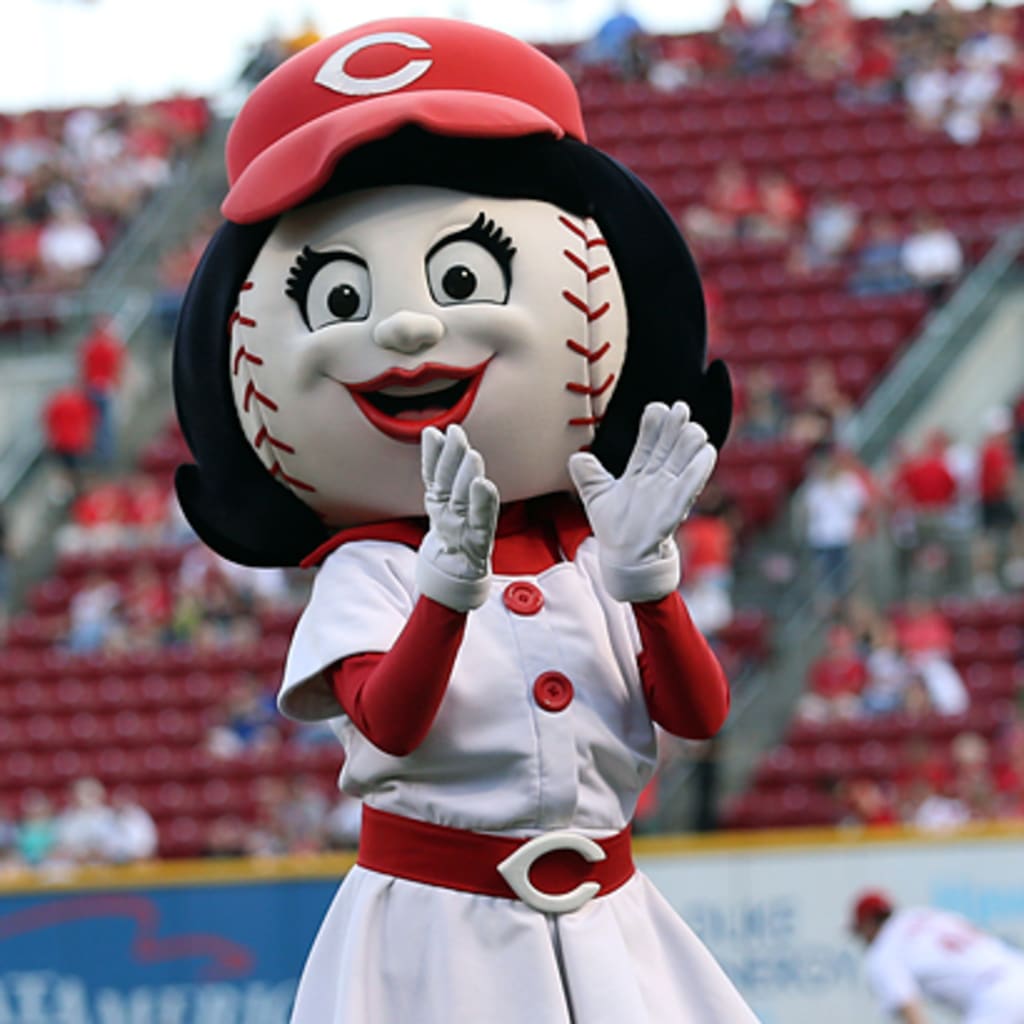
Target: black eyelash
[(483, 231), (306, 266)]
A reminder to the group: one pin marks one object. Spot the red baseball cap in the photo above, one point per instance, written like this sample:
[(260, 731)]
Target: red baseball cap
[(868, 905), (449, 77)]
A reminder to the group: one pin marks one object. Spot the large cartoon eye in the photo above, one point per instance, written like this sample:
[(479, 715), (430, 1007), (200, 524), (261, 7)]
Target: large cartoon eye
[(471, 265), (329, 288), (465, 272)]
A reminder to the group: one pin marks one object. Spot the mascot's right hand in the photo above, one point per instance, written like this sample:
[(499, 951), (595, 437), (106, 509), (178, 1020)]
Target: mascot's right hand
[(454, 562)]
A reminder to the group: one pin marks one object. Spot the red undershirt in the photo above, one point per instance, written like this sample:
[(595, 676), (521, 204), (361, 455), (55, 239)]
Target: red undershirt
[(393, 697)]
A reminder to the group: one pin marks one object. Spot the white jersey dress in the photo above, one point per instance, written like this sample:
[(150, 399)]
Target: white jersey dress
[(920, 952), (393, 951)]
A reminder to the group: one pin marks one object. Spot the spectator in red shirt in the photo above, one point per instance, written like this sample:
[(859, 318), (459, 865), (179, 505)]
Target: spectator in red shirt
[(146, 508), (828, 43), (923, 629), (873, 76), (780, 208), (924, 497), (926, 639), (101, 361), (995, 473), (727, 215), (147, 599), (835, 680), (69, 420), (19, 249), (706, 544), (867, 804), (925, 480), (1009, 774)]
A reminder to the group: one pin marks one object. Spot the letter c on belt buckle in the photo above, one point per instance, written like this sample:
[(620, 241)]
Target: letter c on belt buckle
[(515, 869)]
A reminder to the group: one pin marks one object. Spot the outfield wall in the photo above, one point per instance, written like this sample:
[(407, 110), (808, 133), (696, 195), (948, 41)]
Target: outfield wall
[(224, 942)]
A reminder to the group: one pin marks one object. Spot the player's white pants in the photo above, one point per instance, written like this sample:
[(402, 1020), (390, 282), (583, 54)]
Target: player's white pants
[(1003, 1003)]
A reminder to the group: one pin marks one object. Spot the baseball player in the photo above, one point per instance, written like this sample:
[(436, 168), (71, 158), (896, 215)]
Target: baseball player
[(917, 953), (453, 357)]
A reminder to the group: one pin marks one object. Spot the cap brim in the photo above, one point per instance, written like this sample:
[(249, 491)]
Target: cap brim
[(296, 166)]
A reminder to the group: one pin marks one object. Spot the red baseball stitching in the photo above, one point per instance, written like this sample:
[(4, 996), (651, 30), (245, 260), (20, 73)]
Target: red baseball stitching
[(574, 228), (265, 435), (581, 350), (583, 307), (237, 318), (590, 390), (249, 357), (276, 470), (252, 392), (592, 275)]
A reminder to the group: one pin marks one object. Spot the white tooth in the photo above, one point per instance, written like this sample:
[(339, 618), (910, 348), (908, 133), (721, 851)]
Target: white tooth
[(400, 391)]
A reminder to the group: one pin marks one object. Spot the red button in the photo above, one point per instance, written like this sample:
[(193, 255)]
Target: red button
[(552, 691), (523, 598)]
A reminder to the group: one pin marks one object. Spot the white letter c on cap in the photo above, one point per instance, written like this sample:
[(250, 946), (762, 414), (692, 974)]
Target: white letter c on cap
[(333, 75)]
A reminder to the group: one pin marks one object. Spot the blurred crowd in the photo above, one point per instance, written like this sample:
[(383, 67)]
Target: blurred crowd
[(878, 255), (206, 604), (90, 826), (939, 787), (299, 815), (876, 663), (79, 419), (71, 179), (950, 517), (951, 514), (265, 54), (818, 412), (709, 546), (953, 70), (956, 69)]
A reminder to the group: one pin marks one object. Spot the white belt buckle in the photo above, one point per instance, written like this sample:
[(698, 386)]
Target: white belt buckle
[(515, 869)]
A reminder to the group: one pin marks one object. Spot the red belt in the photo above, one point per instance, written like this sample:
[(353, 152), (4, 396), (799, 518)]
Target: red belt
[(554, 872)]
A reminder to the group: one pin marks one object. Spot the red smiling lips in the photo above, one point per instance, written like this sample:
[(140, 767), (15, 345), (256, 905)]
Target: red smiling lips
[(400, 403)]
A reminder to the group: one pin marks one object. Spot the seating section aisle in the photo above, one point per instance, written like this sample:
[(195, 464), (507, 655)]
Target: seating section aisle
[(818, 774), (770, 314), (70, 182)]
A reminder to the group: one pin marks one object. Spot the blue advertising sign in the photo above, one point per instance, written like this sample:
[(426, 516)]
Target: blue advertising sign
[(191, 954)]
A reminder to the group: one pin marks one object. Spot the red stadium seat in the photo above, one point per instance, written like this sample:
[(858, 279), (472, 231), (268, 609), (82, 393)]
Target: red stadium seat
[(182, 836)]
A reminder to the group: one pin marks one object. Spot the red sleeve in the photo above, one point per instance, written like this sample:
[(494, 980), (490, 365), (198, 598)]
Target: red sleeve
[(393, 697), (686, 689)]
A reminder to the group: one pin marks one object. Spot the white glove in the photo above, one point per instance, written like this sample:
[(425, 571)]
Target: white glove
[(635, 517), (454, 562)]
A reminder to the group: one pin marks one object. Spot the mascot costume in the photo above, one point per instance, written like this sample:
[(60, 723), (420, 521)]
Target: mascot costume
[(453, 357)]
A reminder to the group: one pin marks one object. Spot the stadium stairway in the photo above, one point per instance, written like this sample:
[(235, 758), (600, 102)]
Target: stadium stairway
[(123, 287), (947, 370)]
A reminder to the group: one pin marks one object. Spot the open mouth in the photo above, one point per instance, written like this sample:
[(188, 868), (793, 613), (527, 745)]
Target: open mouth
[(400, 403)]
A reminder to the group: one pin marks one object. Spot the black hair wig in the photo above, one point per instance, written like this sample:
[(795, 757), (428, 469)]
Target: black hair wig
[(243, 513)]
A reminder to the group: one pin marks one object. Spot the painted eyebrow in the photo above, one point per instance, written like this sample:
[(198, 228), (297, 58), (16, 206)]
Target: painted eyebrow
[(306, 266), (485, 232)]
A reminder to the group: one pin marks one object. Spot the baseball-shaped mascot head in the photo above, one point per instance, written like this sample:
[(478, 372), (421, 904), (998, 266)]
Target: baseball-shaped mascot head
[(418, 234)]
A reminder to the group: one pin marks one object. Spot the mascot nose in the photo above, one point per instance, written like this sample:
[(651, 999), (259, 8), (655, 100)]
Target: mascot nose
[(408, 332)]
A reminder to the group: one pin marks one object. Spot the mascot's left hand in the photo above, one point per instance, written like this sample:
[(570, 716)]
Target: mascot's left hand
[(635, 517)]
